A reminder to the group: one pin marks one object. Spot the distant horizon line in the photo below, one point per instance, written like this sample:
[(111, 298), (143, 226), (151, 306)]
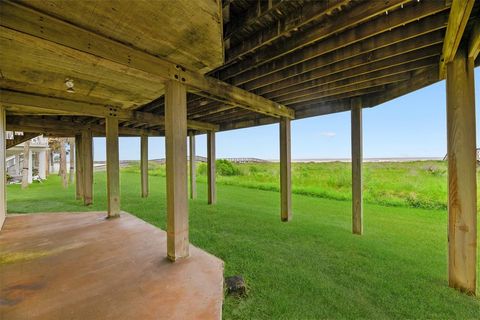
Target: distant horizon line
[(305, 160)]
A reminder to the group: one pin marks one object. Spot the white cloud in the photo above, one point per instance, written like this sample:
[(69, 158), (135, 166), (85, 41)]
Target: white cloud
[(328, 134)]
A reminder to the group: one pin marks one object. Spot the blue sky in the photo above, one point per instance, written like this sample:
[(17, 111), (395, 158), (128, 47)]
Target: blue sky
[(410, 126)]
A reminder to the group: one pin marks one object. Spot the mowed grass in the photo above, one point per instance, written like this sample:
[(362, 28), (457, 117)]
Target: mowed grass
[(309, 268)]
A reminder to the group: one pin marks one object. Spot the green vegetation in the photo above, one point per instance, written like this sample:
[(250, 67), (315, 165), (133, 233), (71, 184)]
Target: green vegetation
[(420, 184), (311, 267)]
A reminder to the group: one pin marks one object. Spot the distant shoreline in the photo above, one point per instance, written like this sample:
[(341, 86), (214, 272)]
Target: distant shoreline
[(313, 160)]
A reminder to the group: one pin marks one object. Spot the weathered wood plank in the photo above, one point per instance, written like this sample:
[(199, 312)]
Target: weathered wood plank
[(357, 198), (285, 170), (211, 172), (457, 21), (193, 166), (176, 162), (113, 167), (462, 184), (87, 143), (144, 165), (195, 42), (90, 46)]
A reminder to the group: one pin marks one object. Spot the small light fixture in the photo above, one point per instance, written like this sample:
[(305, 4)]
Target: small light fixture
[(70, 84)]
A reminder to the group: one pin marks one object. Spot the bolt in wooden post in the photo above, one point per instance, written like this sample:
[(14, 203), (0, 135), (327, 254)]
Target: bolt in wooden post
[(462, 184), (87, 146), (285, 170), (357, 198), (144, 165), (113, 167), (176, 162), (3, 174), (212, 196), (193, 166)]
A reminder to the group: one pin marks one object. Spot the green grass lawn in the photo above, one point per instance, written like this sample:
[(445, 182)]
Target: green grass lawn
[(420, 184), (309, 268)]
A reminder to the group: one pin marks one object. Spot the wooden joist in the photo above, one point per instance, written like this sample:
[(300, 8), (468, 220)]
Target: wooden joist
[(457, 21), (290, 23), (111, 54), (18, 101), (322, 41)]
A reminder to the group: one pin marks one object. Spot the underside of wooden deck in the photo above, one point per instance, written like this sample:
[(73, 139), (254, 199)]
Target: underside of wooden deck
[(83, 266)]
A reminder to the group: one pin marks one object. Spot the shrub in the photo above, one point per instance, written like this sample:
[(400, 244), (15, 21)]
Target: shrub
[(226, 168), (202, 169)]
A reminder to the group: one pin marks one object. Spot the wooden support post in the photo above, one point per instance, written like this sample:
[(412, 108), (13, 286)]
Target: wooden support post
[(144, 165), (212, 196), (462, 184), (71, 143), (193, 166), (3, 173), (113, 167), (87, 146), (79, 167), (285, 170), (357, 198), (176, 162)]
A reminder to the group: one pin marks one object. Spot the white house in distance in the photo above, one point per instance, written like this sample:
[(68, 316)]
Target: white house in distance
[(38, 157)]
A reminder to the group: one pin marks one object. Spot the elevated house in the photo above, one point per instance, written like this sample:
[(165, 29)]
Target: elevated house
[(38, 155), (180, 68)]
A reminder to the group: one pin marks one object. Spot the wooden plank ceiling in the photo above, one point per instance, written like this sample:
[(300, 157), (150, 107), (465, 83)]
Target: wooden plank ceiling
[(310, 56)]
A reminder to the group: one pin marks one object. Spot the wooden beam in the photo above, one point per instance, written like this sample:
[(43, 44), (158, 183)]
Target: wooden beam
[(357, 199), (462, 172), (79, 174), (26, 101), (285, 170), (113, 167), (87, 143), (3, 171), (457, 21), (144, 165), (474, 42), (71, 128), (21, 139), (193, 166), (176, 162), (93, 48), (212, 194)]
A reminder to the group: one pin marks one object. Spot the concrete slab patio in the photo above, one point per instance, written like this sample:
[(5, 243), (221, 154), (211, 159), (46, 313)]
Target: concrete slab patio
[(82, 266)]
